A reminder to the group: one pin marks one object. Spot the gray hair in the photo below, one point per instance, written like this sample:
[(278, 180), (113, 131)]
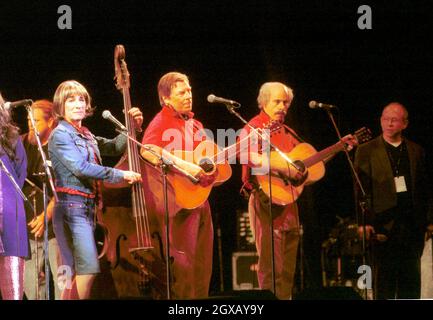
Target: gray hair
[(265, 92)]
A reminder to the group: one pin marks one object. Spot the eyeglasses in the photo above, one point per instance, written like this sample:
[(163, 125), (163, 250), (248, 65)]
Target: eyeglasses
[(391, 119)]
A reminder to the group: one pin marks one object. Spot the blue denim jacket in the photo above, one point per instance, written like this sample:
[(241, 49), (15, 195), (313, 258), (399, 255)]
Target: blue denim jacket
[(73, 158)]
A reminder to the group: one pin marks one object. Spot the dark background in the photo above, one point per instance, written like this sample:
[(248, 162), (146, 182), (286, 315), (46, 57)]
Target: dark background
[(230, 49)]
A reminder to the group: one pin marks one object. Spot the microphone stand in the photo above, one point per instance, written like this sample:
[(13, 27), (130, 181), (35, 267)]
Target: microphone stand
[(46, 253), (164, 164), (35, 214), (47, 174), (231, 108), (32, 195), (362, 199), (15, 184)]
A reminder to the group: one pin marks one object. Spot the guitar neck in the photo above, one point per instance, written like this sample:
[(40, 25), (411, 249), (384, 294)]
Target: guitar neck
[(231, 151), (323, 154)]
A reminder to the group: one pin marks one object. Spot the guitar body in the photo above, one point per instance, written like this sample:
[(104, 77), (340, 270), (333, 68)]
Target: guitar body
[(303, 151), (190, 195), (283, 192), (182, 192)]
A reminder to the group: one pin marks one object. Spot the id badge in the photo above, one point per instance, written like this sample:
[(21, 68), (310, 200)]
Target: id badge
[(400, 184)]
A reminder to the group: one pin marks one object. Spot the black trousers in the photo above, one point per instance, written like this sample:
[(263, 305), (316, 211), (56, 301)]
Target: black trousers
[(396, 263)]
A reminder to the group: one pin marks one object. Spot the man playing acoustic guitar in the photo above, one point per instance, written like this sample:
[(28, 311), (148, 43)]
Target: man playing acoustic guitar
[(172, 130), (274, 100)]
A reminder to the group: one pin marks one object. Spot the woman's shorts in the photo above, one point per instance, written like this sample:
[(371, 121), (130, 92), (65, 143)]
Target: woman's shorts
[(74, 225)]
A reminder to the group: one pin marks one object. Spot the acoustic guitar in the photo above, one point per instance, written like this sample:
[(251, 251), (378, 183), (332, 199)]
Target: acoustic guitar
[(285, 190), (191, 192)]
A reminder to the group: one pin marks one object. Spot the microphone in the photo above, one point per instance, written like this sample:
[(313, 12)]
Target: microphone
[(314, 104), (107, 115), (14, 104), (214, 99)]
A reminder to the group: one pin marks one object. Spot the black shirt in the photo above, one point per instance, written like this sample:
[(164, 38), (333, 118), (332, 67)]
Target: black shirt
[(399, 160), (35, 165)]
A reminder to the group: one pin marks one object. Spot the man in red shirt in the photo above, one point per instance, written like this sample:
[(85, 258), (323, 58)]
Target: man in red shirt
[(274, 100), (172, 130)]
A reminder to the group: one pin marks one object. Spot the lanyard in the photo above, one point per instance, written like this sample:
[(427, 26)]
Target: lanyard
[(395, 164)]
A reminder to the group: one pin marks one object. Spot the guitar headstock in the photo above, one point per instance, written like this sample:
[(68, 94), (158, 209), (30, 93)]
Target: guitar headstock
[(362, 135)]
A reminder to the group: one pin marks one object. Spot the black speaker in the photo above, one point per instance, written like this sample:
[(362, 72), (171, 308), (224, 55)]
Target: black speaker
[(328, 293), (244, 270)]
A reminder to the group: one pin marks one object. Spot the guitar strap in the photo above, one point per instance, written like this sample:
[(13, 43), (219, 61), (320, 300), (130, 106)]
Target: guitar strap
[(293, 133)]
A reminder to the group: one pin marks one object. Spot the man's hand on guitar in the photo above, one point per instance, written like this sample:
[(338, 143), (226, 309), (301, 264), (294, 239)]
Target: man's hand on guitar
[(297, 177), (197, 172), (350, 141), (282, 167), (189, 167), (360, 136)]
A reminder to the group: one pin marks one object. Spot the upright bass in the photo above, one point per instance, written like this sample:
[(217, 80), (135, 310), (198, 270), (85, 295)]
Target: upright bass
[(135, 247)]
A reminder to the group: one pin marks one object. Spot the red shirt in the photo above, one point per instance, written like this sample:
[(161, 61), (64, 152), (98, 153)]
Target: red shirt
[(281, 138), (173, 131)]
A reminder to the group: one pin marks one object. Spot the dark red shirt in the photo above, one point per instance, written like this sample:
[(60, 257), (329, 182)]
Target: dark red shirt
[(281, 137), (173, 131)]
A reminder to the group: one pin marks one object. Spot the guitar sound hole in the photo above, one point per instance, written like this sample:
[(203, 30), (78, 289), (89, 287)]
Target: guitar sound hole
[(207, 165), (301, 179), (300, 165)]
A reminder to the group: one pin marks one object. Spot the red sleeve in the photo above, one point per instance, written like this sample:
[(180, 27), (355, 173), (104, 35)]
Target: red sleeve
[(246, 173), (153, 133)]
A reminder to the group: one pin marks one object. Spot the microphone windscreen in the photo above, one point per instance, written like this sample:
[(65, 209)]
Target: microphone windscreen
[(106, 114), (211, 98), (312, 104)]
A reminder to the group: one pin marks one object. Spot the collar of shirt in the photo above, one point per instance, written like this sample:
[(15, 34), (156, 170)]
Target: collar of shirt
[(264, 118), (169, 111), (81, 130)]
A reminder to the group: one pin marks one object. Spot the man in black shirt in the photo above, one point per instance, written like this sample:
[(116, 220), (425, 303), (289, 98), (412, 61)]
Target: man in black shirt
[(393, 173), (34, 281)]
